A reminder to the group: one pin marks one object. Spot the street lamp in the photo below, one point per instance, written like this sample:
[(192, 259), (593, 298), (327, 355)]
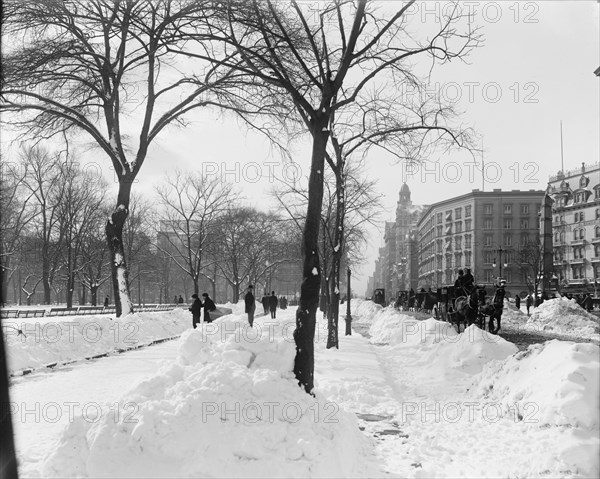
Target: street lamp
[(499, 251), (348, 315)]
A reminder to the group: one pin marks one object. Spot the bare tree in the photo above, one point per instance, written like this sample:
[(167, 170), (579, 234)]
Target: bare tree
[(323, 62), (94, 254), (43, 179), (531, 263), (191, 204), (82, 198), (16, 216), (106, 69)]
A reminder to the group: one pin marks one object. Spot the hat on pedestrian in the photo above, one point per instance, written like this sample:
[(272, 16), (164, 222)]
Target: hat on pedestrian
[(205, 295), (194, 295)]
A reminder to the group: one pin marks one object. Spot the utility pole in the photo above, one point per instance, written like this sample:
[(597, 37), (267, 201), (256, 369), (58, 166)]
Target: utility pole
[(348, 315)]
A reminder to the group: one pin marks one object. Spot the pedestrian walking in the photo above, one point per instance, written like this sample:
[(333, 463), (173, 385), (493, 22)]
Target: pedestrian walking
[(209, 305), (528, 303), (517, 301), (175, 300), (106, 302), (273, 304), (265, 303), (250, 304), (180, 300), (195, 309)]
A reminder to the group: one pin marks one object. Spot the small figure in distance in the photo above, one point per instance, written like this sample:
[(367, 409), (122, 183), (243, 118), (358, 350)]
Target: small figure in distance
[(250, 302)]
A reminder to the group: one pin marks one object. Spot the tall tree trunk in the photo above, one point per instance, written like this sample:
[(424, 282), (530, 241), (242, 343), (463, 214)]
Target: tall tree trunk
[(5, 279), (69, 291), (333, 312), (306, 314), (94, 294), (114, 237), (46, 276)]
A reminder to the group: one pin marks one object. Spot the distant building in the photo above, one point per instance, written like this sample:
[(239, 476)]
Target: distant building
[(396, 267), (576, 226), (482, 231)]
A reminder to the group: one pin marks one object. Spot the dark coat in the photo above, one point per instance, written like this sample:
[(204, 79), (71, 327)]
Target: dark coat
[(250, 302), (196, 307), (273, 303), (209, 305), (265, 301)]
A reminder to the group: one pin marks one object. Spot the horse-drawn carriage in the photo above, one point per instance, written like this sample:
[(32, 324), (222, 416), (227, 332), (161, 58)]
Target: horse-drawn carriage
[(456, 305)]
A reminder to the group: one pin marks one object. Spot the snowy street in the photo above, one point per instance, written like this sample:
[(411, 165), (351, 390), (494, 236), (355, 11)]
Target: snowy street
[(414, 400), (45, 402)]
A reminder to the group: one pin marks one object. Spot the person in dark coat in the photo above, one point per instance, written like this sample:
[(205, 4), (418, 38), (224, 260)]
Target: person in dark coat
[(195, 309), (468, 280), (528, 303), (209, 305), (283, 302), (517, 301), (250, 302), (106, 302), (265, 303), (180, 301), (459, 284), (273, 304)]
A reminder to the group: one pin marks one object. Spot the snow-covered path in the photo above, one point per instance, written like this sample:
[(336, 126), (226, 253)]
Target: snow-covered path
[(44, 403)]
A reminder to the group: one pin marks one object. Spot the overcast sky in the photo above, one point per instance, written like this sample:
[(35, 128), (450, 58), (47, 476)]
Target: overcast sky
[(535, 68)]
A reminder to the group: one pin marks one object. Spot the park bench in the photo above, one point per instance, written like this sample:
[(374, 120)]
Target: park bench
[(85, 310), (9, 313), (62, 311), (32, 313)]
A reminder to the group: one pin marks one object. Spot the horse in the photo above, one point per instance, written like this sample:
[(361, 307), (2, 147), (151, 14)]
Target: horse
[(493, 309), (466, 307)]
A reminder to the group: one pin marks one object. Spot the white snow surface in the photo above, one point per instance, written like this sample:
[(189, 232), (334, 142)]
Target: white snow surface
[(49, 340), (228, 406), (564, 316), (464, 405)]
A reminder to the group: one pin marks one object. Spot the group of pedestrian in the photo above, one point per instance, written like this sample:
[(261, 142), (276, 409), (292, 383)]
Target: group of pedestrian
[(207, 304), (270, 303)]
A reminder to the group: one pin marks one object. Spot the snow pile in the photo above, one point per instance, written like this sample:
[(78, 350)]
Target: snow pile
[(364, 310), (229, 406), (555, 384), (561, 378), (45, 342), (469, 351), (564, 316)]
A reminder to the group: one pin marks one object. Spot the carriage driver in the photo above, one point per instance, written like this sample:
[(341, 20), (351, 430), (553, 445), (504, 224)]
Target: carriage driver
[(468, 280), (460, 281)]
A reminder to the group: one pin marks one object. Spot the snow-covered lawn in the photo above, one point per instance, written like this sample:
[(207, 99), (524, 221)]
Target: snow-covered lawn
[(429, 402)]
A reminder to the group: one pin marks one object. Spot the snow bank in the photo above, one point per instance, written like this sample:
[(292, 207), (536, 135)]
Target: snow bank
[(566, 317), (229, 406), (560, 380), (79, 337), (364, 310)]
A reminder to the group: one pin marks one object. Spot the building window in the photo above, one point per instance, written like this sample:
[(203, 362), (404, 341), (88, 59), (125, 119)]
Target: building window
[(581, 233), (489, 276), (489, 239), (597, 232), (467, 259), (508, 209), (508, 276), (449, 215), (575, 234), (597, 250), (439, 231), (576, 217), (524, 224), (488, 209), (467, 225), (598, 213), (508, 224), (467, 241), (507, 240), (439, 218), (597, 271), (556, 238), (582, 216), (468, 211), (458, 227), (458, 243), (524, 209), (487, 224), (457, 213), (597, 193), (488, 257)]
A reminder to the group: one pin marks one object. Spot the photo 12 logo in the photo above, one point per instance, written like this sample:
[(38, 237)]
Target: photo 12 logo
[(54, 412)]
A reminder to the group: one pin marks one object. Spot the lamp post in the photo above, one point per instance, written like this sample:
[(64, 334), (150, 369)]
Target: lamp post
[(348, 315), (499, 251)]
